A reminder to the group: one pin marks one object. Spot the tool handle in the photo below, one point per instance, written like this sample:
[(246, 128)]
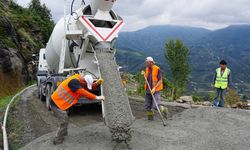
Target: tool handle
[(103, 109)]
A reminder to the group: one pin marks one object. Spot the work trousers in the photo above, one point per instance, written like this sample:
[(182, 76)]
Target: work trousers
[(219, 93), (149, 102), (63, 121)]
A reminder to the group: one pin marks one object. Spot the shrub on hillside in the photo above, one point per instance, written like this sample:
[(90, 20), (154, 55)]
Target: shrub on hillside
[(232, 98)]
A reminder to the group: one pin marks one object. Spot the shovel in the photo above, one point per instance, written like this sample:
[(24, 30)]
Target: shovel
[(162, 119)]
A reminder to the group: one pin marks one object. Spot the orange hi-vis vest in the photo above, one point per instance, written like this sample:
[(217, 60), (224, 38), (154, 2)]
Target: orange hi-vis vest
[(155, 70), (63, 97)]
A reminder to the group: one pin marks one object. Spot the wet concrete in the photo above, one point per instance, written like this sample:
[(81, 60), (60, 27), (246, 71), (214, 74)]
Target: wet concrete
[(37, 120), (118, 114), (199, 128)]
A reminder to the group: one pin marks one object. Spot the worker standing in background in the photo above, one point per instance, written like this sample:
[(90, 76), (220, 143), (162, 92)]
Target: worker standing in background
[(154, 76), (221, 82), (66, 95)]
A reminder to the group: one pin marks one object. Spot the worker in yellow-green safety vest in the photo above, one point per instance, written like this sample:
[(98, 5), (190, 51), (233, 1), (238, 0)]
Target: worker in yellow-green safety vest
[(221, 82)]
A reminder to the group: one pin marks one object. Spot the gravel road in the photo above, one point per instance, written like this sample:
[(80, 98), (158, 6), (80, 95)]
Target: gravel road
[(199, 128)]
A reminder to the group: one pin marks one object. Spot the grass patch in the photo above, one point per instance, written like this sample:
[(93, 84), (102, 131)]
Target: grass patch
[(31, 82), (8, 41), (198, 98), (14, 127), (27, 36), (4, 101)]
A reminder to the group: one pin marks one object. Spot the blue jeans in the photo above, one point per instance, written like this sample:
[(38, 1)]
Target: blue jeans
[(149, 102), (219, 93)]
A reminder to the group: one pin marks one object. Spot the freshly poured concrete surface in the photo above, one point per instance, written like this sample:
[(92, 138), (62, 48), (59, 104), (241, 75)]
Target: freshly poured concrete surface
[(200, 128)]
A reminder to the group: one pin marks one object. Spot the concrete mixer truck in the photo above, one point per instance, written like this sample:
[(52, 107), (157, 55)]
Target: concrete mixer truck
[(71, 47), (83, 41)]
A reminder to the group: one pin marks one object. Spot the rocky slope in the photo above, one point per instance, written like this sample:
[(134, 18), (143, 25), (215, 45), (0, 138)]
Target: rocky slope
[(21, 35)]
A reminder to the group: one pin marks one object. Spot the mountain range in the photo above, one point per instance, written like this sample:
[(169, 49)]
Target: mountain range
[(207, 48)]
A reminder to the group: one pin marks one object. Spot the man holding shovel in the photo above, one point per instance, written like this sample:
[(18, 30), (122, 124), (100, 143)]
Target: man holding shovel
[(153, 78)]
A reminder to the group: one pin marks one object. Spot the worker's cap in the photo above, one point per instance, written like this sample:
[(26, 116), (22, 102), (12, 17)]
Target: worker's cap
[(150, 59), (89, 80), (223, 62)]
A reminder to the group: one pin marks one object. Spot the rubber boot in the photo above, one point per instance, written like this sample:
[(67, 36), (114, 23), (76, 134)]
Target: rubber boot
[(164, 111), (58, 140), (150, 115), (65, 133)]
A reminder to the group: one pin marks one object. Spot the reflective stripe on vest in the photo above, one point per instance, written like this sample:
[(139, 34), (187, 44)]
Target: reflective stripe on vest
[(154, 75), (222, 80), (64, 95)]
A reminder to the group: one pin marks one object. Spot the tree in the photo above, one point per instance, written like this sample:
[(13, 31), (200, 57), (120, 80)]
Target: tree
[(43, 16), (177, 56), (41, 10)]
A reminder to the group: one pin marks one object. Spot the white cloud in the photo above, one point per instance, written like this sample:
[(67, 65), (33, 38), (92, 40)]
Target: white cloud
[(141, 13)]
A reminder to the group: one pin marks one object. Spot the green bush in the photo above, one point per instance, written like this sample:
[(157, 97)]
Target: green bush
[(211, 96), (4, 101), (232, 98), (140, 89), (26, 35), (129, 92), (197, 98)]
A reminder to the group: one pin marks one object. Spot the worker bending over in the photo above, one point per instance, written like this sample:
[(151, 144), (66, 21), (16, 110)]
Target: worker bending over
[(68, 94)]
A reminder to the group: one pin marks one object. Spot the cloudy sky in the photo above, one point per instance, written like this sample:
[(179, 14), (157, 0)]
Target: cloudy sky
[(211, 14)]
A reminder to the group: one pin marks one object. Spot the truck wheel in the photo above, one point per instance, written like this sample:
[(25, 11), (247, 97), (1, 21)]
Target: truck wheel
[(48, 94), (40, 94)]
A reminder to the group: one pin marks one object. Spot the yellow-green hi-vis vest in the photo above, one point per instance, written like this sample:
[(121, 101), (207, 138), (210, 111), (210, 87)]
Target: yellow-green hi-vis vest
[(222, 80)]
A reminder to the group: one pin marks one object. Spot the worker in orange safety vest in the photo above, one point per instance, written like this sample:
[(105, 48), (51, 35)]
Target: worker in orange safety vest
[(154, 77), (66, 95)]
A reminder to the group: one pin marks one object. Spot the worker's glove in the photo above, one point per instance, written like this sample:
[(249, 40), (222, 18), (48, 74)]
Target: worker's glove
[(142, 72), (124, 82), (100, 98), (153, 91), (99, 81)]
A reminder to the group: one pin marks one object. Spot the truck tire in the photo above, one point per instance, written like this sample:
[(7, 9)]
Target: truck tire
[(40, 94), (48, 94)]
